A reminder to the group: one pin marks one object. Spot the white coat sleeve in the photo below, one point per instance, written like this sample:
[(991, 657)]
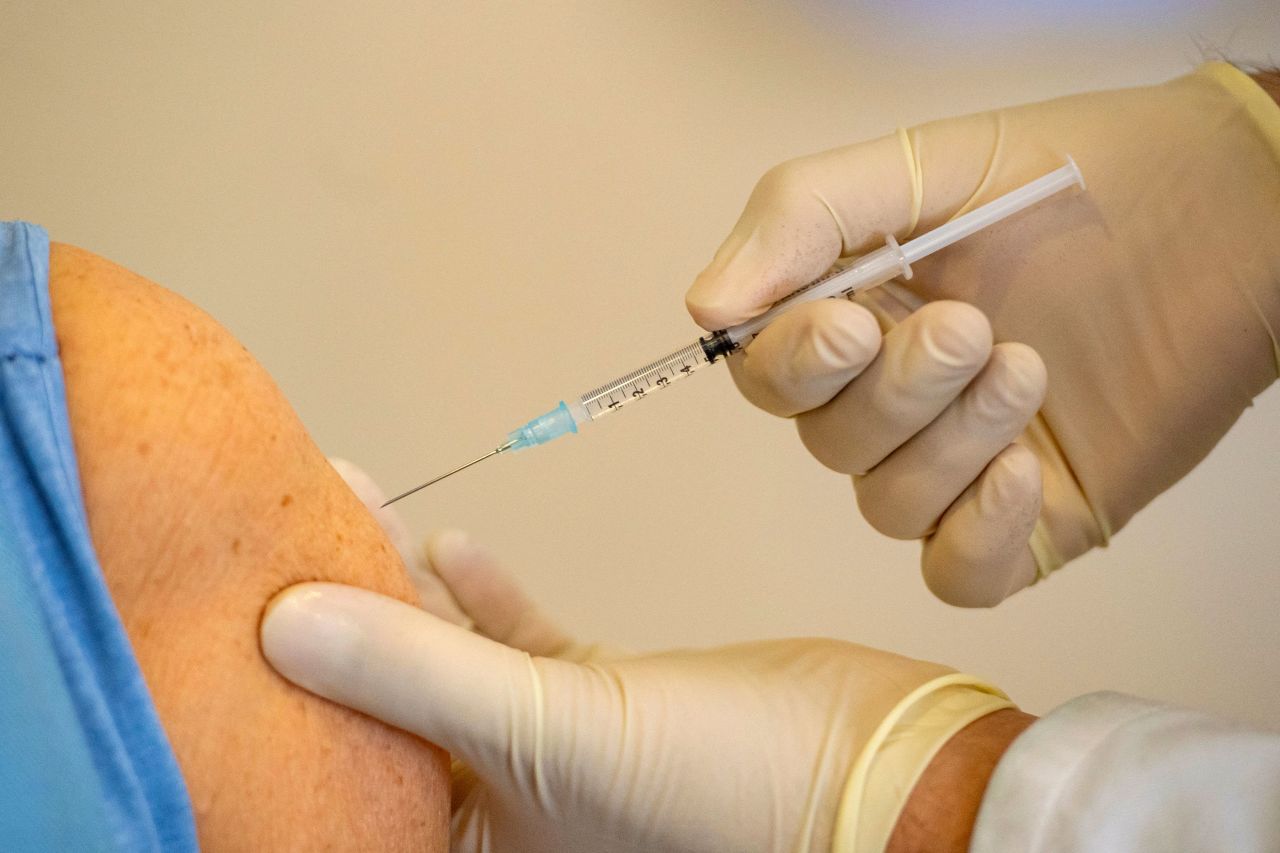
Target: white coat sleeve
[(1117, 773)]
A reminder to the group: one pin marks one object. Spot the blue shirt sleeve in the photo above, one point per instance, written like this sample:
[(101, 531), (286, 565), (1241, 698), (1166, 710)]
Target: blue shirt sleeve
[(86, 762)]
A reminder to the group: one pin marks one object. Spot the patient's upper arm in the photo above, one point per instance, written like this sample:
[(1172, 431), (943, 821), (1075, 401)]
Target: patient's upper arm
[(205, 496)]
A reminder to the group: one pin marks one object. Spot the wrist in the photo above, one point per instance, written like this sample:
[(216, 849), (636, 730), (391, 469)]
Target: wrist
[(940, 812), (1268, 79), (895, 756)]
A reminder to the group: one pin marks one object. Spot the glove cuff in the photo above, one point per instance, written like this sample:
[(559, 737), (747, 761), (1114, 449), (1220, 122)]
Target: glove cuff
[(1264, 114), (898, 752)]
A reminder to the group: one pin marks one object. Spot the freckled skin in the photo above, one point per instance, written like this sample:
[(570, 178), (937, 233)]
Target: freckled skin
[(205, 496)]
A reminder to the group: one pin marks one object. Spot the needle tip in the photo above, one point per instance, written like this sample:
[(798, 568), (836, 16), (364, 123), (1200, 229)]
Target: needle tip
[(494, 452), (403, 495)]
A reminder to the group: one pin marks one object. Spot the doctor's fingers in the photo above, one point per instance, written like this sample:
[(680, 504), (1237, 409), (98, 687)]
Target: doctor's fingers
[(905, 495), (980, 553), (923, 365), (801, 216), (806, 356), (490, 705), (490, 597)]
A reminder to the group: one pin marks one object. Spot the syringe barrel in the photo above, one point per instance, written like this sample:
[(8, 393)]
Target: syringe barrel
[(873, 268), (613, 395)]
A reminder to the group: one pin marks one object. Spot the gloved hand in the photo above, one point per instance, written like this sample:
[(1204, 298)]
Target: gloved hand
[(790, 745), (1152, 298)]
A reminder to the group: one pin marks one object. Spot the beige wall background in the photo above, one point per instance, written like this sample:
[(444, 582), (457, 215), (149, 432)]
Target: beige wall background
[(430, 221)]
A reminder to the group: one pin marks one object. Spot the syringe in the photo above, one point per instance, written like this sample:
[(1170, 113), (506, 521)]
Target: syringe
[(870, 270)]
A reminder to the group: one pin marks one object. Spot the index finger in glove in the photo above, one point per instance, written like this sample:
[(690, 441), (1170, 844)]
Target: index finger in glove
[(806, 356)]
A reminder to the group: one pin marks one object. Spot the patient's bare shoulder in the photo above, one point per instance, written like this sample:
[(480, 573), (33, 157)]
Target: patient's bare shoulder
[(205, 496)]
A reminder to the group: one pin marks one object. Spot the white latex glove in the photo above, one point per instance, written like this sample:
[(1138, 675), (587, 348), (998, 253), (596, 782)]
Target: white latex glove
[(754, 747), (1153, 299)]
